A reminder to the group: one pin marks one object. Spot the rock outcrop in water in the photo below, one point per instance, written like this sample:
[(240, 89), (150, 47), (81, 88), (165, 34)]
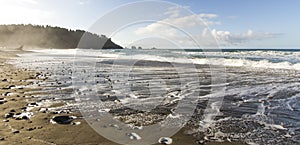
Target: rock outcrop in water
[(51, 37)]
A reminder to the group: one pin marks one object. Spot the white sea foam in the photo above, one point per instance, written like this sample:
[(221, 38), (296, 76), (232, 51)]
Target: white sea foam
[(289, 60)]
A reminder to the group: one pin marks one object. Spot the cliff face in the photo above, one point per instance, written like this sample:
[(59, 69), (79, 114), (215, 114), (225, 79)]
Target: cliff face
[(51, 37)]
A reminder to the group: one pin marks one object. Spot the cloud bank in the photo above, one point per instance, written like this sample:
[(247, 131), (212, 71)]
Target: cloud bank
[(197, 26)]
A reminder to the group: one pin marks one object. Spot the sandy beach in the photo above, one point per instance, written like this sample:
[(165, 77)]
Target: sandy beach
[(36, 129)]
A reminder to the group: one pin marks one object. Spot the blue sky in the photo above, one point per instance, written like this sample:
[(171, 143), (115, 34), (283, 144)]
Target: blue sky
[(236, 23)]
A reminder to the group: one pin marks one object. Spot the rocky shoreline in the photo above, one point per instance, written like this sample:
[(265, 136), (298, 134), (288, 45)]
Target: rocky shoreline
[(28, 118)]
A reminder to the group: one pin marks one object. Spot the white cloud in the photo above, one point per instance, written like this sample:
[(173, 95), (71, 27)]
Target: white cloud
[(226, 38), (83, 2), (196, 26), (164, 26), (175, 11)]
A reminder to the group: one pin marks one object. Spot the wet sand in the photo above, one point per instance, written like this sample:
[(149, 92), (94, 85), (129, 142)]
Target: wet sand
[(38, 129)]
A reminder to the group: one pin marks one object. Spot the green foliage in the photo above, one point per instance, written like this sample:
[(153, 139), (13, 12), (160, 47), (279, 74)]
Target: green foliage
[(51, 37)]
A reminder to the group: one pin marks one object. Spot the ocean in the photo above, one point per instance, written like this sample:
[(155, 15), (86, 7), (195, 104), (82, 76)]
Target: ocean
[(244, 95)]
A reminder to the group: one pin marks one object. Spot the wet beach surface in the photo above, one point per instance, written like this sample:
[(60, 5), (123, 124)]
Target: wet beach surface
[(258, 106)]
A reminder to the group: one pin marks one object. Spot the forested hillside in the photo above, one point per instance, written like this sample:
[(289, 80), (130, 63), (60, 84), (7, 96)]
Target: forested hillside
[(51, 37)]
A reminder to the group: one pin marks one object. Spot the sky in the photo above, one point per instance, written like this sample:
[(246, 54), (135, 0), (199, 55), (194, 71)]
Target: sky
[(228, 23)]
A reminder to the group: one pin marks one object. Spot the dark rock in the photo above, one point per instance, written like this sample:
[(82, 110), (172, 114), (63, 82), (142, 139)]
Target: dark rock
[(8, 115), (32, 104), (15, 131), (24, 108), (31, 129), (2, 101), (25, 117), (2, 138), (165, 140), (11, 86), (6, 93), (62, 119)]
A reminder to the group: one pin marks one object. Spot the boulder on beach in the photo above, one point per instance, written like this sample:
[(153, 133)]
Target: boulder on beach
[(165, 140), (62, 119)]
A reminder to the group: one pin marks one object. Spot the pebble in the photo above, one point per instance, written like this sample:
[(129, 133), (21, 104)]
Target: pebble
[(23, 116), (5, 120), (11, 86), (2, 138), (31, 128), (76, 123), (32, 104), (165, 140), (2, 101), (201, 142), (43, 110), (287, 136), (8, 115), (134, 136), (15, 131)]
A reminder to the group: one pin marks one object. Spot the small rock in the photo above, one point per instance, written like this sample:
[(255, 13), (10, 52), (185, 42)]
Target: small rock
[(23, 116), (76, 123), (165, 140), (6, 93), (34, 104), (15, 131), (4, 80), (201, 142), (11, 86), (287, 136), (8, 115), (24, 108), (2, 138), (43, 110), (134, 136), (31, 129), (2, 100), (5, 120)]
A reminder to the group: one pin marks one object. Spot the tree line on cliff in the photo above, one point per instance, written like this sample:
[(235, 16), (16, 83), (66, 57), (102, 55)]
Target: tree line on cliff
[(39, 36)]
